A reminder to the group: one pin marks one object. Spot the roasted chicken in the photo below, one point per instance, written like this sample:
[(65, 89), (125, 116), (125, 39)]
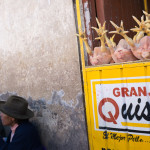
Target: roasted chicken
[(101, 54), (122, 52), (139, 50), (127, 49)]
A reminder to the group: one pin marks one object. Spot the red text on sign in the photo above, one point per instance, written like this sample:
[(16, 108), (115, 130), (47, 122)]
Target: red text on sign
[(129, 92)]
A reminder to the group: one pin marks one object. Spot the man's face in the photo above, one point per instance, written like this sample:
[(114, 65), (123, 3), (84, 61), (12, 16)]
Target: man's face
[(6, 120)]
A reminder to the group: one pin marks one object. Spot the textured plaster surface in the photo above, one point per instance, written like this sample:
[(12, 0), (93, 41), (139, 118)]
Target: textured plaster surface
[(38, 47), (39, 61)]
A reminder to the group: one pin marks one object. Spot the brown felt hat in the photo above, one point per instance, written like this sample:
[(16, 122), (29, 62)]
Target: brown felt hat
[(16, 107)]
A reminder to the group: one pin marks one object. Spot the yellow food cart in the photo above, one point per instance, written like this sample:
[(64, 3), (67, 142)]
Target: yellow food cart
[(117, 102)]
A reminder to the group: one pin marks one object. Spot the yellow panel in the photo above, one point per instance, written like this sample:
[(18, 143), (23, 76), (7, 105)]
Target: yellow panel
[(116, 66), (117, 103), (113, 73), (90, 76), (147, 70), (118, 86), (135, 71)]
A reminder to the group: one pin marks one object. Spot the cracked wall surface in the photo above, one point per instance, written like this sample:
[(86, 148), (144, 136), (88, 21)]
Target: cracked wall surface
[(39, 61)]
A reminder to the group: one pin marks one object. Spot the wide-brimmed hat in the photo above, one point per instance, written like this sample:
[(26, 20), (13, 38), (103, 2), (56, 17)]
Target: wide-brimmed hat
[(16, 107)]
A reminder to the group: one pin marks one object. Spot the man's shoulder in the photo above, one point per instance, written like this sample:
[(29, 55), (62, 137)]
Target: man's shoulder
[(26, 127)]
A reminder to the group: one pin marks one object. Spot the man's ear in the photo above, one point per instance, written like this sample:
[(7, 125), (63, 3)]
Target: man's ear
[(12, 119)]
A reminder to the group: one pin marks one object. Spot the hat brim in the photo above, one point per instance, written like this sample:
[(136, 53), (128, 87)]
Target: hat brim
[(29, 113)]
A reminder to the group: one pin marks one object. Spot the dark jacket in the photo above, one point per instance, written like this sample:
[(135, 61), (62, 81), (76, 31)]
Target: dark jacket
[(2, 130), (25, 138)]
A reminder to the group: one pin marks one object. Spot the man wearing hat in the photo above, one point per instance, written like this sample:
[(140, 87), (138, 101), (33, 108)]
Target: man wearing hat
[(23, 135)]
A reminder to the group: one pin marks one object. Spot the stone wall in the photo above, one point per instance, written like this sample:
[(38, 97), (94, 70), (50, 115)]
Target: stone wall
[(39, 60)]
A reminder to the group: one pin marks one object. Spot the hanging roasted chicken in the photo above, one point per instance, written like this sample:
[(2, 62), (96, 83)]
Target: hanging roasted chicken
[(140, 45), (101, 55), (122, 52), (127, 49)]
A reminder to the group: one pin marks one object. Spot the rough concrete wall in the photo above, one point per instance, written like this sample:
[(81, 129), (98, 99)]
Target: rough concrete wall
[(39, 61)]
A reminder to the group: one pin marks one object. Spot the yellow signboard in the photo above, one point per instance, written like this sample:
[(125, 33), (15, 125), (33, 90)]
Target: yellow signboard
[(118, 103)]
